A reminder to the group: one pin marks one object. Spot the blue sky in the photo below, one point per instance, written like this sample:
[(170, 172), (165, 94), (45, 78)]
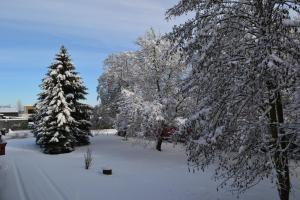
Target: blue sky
[(33, 30)]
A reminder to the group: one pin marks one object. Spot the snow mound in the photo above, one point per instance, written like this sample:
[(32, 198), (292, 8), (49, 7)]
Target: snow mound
[(104, 132), (18, 134)]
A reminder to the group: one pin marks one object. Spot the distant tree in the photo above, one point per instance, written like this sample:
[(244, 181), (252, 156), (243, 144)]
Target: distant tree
[(81, 130), (95, 120), (129, 117), (19, 106), (117, 76), (102, 117), (245, 62)]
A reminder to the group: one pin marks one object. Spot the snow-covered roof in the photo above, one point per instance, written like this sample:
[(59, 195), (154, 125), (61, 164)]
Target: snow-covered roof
[(8, 110)]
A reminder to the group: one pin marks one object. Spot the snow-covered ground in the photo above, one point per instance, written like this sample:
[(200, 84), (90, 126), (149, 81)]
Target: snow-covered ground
[(138, 173), (27, 133)]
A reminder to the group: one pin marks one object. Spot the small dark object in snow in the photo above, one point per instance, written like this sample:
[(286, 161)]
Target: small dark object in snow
[(121, 133), (107, 171), (2, 148)]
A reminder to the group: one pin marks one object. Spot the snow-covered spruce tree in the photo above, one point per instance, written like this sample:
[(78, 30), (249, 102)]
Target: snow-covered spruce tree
[(244, 56), (40, 109), (55, 134), (65, 120), (81, 130)]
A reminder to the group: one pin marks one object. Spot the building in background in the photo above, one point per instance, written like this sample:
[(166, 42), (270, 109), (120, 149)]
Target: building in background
[(15, 118), (8, 111), (28, 112)]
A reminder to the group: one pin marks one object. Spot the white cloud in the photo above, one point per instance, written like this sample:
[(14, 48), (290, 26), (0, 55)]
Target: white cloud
[(87, 18), (34, 29)]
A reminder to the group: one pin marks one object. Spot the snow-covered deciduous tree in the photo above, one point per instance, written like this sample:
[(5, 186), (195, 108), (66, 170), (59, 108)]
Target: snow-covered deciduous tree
[(159, 83), (130, 108), (117, 76), (151, 75), (62, 121), (244, 57), (154, 122)]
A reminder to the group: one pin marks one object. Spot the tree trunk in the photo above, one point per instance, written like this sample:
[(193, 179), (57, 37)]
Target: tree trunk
[(283, 177), (159, 143), (279, 141)]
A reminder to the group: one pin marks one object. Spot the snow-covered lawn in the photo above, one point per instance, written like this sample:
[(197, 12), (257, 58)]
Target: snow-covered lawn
[(139, 173)]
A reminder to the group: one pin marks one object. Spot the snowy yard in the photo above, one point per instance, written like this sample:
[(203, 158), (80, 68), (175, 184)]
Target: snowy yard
[(138, 173)]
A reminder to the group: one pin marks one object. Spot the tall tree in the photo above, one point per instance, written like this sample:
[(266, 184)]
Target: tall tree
[(40, 109), (63, 119), (244, 58), (148, 78)]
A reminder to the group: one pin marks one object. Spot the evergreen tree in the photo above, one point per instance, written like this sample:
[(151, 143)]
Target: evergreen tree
[(63, 121), (81, 130), (40, 109), (81, 113)]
